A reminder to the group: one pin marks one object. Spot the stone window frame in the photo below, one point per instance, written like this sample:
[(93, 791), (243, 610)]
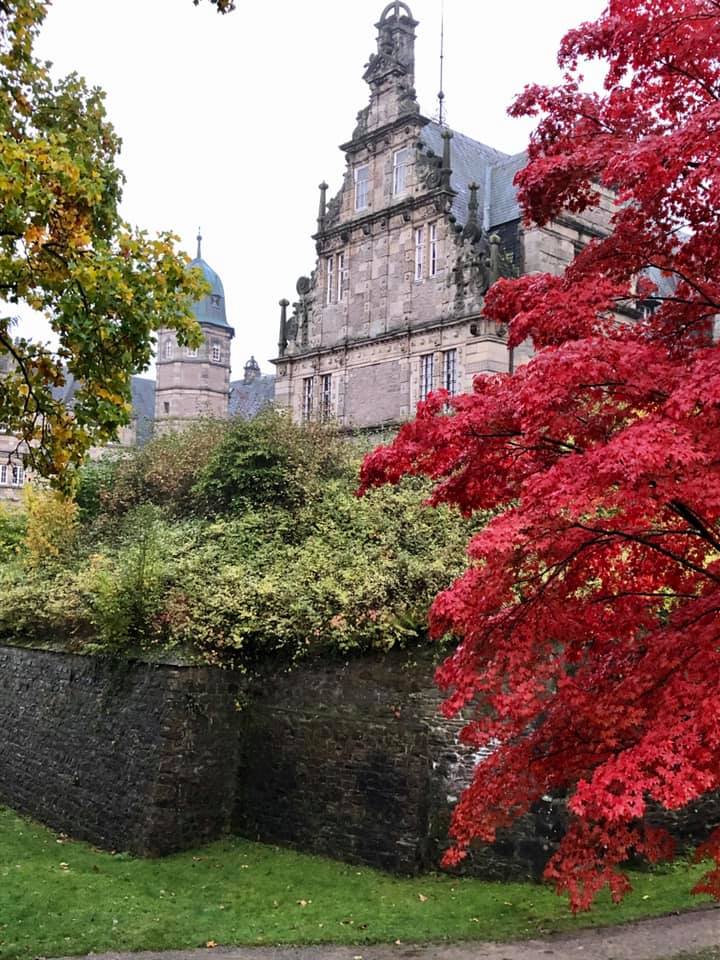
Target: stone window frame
[(325, 396), (419, 235), (215, 352), (427, 370), (330, 278), (168, 349), (342, 276), (362, 187), (432, 249), (450, 370), (308, 384), (402, 159)]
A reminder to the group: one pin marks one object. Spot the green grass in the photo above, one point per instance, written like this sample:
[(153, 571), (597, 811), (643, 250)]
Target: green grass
[(60, 897)]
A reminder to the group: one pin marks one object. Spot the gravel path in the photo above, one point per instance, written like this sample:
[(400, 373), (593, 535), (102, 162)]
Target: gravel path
[(663, 937)]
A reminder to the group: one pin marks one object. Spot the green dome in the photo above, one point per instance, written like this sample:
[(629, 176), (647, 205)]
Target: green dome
[(211, 309)]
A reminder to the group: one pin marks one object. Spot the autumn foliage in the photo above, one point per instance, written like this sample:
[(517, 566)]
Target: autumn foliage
[(588, 620)]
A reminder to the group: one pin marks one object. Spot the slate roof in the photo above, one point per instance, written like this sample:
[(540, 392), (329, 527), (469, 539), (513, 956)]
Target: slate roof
[(491, 169), (249, 397), (143, 404), (211, 309)]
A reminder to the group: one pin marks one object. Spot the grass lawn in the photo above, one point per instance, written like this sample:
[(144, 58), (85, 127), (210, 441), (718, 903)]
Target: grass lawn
[(62, 897)]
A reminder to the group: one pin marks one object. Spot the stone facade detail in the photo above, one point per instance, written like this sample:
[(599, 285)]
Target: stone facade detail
[(425, 220)]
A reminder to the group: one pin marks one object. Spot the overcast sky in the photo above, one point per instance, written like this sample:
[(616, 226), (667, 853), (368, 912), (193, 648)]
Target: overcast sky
[(231, 122)]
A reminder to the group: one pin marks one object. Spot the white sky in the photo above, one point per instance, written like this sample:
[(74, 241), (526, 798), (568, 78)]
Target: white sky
[(231, 122)]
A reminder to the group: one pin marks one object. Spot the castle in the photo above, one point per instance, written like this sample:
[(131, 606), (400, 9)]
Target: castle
[(424, 222)]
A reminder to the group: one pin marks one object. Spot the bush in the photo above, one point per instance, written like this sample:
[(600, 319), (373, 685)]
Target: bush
[(263, 551), (271, 462), (13, 524), (163, 472), (51, 524)]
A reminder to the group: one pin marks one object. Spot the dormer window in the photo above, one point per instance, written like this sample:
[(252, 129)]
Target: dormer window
[(215, 300), (362, 187), (401, 162)]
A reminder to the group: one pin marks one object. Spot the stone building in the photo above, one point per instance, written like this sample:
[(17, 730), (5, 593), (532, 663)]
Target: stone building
[(191, 383), (425, 220)]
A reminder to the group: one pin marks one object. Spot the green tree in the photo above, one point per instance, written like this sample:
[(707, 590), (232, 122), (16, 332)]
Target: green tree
[(65, 251)]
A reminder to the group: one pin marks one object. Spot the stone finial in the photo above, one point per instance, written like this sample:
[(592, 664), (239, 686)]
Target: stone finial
[(446, 169), (282, 339), (199, 244), (496, 258), (472, 230), (322, 208)]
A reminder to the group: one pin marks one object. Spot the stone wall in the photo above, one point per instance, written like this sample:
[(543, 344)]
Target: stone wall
[(347, 759), (129, 756), (353, 760)]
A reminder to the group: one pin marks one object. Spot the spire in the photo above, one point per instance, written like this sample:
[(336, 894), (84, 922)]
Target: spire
[(441, 92), (199, 243)]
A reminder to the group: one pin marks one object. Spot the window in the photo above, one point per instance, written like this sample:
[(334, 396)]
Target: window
[(307, 398), (191, 351), (419, 253), (450, 378), (3, 473), (18, 475), (326, 396), (216, 353), (168, 349), (330, 264), (432, 230), (342, 276), (362, 188), (426, 374), (166, 406), (401, 162)]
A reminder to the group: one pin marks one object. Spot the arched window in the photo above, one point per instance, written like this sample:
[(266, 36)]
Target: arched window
[(168, 349)]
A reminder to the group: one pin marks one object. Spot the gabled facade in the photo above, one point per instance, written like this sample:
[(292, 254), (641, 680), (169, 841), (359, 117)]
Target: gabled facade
[(426, 219)]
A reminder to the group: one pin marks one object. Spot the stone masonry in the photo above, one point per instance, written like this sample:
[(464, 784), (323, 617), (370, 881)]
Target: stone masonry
[(425, 220)]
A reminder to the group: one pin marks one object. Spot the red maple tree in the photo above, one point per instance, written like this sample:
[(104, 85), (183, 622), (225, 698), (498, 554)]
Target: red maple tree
[(588, 618)]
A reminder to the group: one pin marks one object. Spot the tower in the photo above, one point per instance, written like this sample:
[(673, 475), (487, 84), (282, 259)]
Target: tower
[(194, 382)]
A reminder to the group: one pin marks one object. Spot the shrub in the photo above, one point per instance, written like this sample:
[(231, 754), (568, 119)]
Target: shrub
[(51, 524), (13, 524), (270, 462)]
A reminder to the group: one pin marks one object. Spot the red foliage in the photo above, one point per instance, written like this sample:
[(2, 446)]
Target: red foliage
[(588, 620)]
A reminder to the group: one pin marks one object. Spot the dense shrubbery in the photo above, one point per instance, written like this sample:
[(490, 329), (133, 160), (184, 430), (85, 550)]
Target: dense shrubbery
[(234, 543)]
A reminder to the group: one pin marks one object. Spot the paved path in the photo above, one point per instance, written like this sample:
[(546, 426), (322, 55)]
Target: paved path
[(643, 940)]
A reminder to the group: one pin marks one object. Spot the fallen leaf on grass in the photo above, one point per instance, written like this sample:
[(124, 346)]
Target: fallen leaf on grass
[(422, 898), (211, 943)]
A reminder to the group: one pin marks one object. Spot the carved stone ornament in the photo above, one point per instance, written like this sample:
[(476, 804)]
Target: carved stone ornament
[(332, 214), (407, 99), (427, 168), (362, 123), (303, 286)]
